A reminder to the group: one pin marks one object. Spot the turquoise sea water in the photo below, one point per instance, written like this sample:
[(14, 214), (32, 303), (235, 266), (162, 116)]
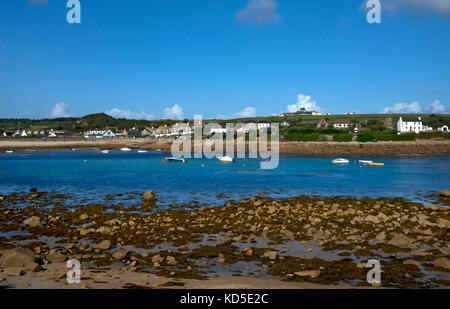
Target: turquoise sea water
[(210, 182)]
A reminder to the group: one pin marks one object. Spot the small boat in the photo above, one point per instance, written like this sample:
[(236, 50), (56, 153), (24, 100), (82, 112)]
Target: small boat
[(376, 164), (174, 159), (30, 150), (106, 151), (226, 159), (9, 151), (341, 161), (142, 151), (365, 161), (125, 149)]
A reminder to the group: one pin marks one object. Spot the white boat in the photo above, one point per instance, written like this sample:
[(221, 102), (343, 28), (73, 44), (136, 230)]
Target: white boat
[(106, 151), (174, 159), (365, 161), (9, 151), (226, 159), (126, 149), (341, 161), (142, 151)]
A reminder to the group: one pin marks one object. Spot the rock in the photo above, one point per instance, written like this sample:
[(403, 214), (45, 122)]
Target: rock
[(104, 230), (104, 245), (18, 257), (420, 253), (308, 273), (443, 222), (170, 260), (150, 196), (411, 262), (120, 254), (84, 217), (2, 198), (221, 260), (445, 193), (56, 257), (33, 222), (249, 252), (257, 203), (400, 240), (381, 237), (14, 271), (373, 219), (442, 263), (157, 259), (272, 255)]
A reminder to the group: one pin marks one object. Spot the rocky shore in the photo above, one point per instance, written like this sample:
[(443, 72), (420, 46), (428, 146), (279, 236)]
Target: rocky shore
[(254, 243), (332, 148)]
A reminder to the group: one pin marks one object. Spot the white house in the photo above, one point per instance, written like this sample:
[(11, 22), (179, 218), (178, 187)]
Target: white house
[(342, 125), (410, 125), (263, 125), (443, 129), (99, 134), (286, 124)]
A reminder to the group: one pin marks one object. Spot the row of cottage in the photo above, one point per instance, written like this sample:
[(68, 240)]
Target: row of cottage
[(413, 125)]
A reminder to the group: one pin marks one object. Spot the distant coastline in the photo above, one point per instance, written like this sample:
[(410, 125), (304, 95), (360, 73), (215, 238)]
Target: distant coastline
[(331, 148)]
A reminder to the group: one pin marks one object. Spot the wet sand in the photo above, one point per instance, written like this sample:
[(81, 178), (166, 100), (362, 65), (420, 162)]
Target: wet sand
[(253, 243)]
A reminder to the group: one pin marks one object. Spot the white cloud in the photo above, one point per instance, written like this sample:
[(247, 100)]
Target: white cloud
[(304, 101), (60, 110), (435, 107), (259, 13), (119, 113), (246, 113), (415, 108), (441, 7), (176, 112)]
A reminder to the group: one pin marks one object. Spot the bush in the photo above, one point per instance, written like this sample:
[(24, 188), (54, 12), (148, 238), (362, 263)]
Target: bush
[(304, 137), (365, 137), (342, 138)]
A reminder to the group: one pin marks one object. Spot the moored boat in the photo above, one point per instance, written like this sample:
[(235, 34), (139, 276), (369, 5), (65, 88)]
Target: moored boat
[(376, 164), (9, 151), (365, 161), (125, 149), (106, 151), (174, 159), (142, 151), (341, 161), (226, 159)]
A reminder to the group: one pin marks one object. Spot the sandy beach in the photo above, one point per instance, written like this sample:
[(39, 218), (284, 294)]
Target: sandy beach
[(332, 148)]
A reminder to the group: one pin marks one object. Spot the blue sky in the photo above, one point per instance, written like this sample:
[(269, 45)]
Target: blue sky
[(226, 58)]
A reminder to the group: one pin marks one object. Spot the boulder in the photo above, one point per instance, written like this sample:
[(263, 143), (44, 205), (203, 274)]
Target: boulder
[(308, 273), (84, 217), (150, 196), (400, 240), (104, 245), (170, 260), (411, 262), (442, 263), (445, 193), (18, 257), (2, 198), (55, 257), (14, 271), (33, 222), (272, 255), (443, 222), (120, 254), (157, 259)]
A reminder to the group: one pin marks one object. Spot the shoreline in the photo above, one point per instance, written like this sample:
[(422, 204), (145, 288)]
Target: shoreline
[(313, 148), (258, 242)]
